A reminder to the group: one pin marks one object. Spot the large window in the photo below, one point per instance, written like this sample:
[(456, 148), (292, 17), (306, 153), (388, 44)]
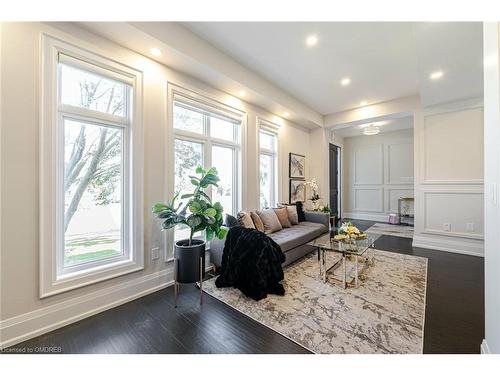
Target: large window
[(268, 151), (210, 137), (92, 193), (95, 153)]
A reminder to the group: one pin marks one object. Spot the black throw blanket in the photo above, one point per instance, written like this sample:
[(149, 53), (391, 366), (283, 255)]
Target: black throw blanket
[(251, 262)]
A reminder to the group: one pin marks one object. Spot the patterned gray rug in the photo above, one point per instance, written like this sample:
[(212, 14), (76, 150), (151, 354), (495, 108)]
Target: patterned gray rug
[(391, 230), (384, 315)]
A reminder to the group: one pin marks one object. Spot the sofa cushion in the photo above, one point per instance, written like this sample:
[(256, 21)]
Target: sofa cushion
[(282, 215), (292, 213), (297, 235), (259, 225), (270, 220), (245, 220)]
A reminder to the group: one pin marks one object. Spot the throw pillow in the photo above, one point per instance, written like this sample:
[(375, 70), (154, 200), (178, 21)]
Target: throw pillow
[(259, 225), (300, 211), (231, 221), (270, 220), (282, 214), (245, 220), (292, 214)]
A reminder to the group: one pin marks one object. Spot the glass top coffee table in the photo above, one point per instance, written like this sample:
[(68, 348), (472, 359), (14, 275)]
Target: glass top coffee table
[(353, 253)]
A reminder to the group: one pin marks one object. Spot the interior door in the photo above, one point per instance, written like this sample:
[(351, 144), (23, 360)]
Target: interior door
[(334, 180)]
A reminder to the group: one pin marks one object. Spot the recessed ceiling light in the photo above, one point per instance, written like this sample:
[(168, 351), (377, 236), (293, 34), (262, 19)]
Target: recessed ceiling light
[(285, 114), (156, 51), (312, 40), (345, 81), (363, 103), (242, 93), (436, 75)]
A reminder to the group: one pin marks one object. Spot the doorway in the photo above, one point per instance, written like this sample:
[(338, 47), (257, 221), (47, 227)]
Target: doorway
[(335, 184)]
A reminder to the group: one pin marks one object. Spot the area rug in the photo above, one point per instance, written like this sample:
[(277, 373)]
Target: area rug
[(391, 230), (384, 315)]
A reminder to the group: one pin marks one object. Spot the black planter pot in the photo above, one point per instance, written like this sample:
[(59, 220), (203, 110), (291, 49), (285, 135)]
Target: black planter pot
[(187, 258)]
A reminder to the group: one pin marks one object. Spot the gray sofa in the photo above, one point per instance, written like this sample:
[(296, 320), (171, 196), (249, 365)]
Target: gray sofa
[(291, 240)]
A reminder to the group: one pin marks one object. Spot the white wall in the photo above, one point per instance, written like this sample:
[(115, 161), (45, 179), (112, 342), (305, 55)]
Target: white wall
[(449, 177), (378, 170), (23, 314), (317, 164), (491, 344), (448, 166), (292, 139)]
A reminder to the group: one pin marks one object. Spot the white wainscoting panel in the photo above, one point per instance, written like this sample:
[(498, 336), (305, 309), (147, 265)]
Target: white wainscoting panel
[(378, 170), (368, 165), (368, 199), (400, 163), (453, 147), (456, 207)]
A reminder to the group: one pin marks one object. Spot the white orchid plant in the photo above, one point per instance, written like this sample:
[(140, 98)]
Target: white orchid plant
[(313, 184)]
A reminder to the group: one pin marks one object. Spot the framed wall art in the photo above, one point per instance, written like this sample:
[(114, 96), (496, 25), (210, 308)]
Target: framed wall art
[(297, 166), (297, 191)]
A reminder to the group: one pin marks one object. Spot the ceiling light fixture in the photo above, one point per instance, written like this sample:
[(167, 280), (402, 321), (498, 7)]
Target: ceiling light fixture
[(242, 93), (371, 130), (156, 51), (345, 81), (312, 40), (363, 103), (436, 75)]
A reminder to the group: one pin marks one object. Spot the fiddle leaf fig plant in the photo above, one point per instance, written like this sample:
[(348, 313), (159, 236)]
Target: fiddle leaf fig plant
[(195, 209)]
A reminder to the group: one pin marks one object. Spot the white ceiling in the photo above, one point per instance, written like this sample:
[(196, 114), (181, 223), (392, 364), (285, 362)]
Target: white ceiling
[(387, 125), (384, 60)]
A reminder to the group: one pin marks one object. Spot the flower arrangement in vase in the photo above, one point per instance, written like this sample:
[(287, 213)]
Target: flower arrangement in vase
[(349, 233), (315, 196)]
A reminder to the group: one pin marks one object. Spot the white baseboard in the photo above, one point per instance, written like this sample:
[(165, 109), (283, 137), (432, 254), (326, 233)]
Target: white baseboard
[(23, 327), (485, 348), (455, 245), (366, 216)]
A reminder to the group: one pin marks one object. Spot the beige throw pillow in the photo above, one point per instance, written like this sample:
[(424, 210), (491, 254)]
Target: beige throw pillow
[(293, 217), (259, 225), (270, 220), (245, 220), (282, 214)]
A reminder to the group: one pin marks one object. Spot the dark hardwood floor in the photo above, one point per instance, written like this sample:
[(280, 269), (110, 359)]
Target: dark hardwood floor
[(454, 317)]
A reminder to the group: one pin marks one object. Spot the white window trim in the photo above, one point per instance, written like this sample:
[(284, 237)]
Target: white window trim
[(270, 128), (51, 282), (206, 103)]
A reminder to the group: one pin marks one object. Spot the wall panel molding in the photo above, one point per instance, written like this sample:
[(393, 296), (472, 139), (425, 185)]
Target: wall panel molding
[(389, 148), (427, 229), (380, 206), (478, 182), (379, 153), (388, 161), (434, 114)]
